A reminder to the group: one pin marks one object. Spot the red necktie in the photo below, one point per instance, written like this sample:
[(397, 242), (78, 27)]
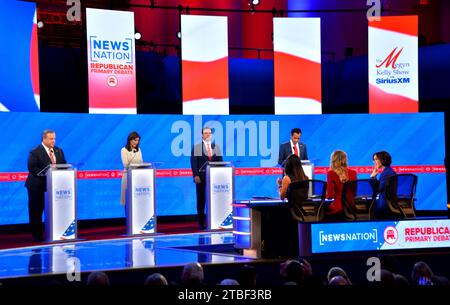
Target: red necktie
[(208, 146), (52, 156), (296, 150)]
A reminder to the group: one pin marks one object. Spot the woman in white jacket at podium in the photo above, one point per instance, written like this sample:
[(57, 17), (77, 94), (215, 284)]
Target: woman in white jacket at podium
[(130, 154)]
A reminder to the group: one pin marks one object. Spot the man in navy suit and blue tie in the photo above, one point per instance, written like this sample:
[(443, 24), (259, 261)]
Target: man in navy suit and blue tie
[(39, 158), (201, 153), (294, 146)]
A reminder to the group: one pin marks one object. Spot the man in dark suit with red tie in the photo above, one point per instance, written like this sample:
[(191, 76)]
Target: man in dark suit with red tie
[(39, 158), (202, 153), (294, 146)]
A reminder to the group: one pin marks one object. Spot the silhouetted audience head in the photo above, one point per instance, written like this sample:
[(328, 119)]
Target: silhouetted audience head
[(98, 278), (229, 282), (156, 279), (386, 278), (337, 271), (192, 274), (338, 280), (389, 262), (421, 274), (247, 276), (292, 271)]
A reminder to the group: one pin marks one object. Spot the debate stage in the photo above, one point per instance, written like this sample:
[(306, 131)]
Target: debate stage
[(129, 260), (143, 252)]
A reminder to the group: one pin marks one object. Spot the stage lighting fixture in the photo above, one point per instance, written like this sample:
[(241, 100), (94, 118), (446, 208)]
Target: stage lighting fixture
[(252, 4), (179, 34), (137, 35), (40, 24)]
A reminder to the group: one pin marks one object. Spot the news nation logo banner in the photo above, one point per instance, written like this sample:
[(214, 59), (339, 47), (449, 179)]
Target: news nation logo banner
[(297, 66), (393, 65), (204, 53), (380, 235), (111, 61)]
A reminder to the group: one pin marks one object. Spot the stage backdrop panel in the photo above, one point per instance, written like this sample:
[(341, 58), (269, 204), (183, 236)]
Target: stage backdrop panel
[(19, 68), (393, 64), (297, 66), (111, 61), (204, 54), (92, 143)]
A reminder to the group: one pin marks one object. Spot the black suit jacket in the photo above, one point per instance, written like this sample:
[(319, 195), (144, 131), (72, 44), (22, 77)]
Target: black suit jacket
[(38, 159), (286, 151), (199, 157)]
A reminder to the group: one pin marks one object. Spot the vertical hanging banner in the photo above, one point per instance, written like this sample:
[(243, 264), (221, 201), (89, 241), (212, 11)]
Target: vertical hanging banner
[(204, 54), (393, 64), (297, 66), (111, 61), (19, 70)]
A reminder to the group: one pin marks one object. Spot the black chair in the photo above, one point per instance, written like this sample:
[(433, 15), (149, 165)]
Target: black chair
[(399, 194), (358, 199), (306, 200)]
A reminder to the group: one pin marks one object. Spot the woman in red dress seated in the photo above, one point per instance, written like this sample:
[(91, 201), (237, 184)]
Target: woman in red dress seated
[(337, 175)]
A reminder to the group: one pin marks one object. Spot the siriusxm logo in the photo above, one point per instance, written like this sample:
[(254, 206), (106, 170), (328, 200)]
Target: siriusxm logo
[(404, 80), (111, 49), (142, 191), (326, 238), (63, 194), (221, 188)]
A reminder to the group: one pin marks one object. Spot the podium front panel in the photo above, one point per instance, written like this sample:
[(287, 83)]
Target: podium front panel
[(308, 168), (141, 201), (61, 205), (219, 197)]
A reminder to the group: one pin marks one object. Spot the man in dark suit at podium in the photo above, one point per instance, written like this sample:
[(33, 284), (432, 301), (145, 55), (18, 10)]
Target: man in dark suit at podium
[(201, 153), (294, 146), (39, 158)]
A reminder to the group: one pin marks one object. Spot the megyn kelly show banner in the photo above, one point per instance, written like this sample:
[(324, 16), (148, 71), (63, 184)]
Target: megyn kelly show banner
[(111, 61), (393, 64)]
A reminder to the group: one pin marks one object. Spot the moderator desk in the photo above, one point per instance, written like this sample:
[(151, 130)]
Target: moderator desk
[(264, 228)]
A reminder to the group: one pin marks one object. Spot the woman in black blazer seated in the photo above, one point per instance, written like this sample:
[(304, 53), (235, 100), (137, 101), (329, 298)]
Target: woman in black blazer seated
[(293, 172)]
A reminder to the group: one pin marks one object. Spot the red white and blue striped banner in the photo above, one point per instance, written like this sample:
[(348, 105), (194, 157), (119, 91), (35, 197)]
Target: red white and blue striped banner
[(297, 66), (393, 64), (204, 53), (111, 61), (34, 62)]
